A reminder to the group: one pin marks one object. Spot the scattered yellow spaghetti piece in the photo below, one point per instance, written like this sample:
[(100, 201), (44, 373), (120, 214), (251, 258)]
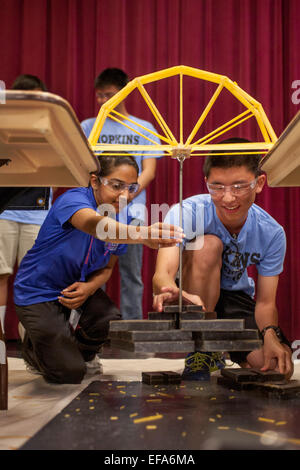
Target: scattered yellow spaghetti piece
[(212, 420), (182, 386), (231, 397), (147, 418), (165, 395), (267, 420), (213, 398), (120, 386), (219, 416), (91, 400), (122, 391), (94, 394), (122, 407), (134, 396), (281, 423), (179, 418), (183, 434), (151, 426), (223, 427), (92, 407), (114, 418), (67, 416), (153, 400), (133, 415), (77, 409)]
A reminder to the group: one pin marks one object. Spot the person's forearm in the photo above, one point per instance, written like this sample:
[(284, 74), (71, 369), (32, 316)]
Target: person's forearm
[(162, 280), (99, 278), (144, 180), (110, 230), (265, 315)]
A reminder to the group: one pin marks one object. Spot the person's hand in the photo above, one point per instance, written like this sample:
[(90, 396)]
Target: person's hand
[(75, 295), (161, 235), (168, 296), (273, 349)]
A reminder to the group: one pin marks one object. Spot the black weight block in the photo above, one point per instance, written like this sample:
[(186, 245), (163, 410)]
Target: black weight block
[(215, 325), (239, 375), (225, 335), (153, 378), (171, 377), (172, 316), (168, 335), (268, 376), (236, 345), (290, 389), (154, 346), (185, 308), (193, 315), (158, 316), (232, 384), (144, 325)]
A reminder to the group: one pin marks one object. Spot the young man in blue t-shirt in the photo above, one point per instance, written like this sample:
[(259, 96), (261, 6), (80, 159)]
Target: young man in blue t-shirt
[(107, 84), (225, 233)]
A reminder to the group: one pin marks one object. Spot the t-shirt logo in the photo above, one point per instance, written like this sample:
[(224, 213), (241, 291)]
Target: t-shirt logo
[(235, 263), (110, 247)]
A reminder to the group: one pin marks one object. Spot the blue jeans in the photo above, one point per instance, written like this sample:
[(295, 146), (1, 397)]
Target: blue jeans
[(132, 287)]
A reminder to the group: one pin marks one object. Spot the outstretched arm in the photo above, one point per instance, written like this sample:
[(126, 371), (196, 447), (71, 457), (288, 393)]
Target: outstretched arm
[(109, 230)]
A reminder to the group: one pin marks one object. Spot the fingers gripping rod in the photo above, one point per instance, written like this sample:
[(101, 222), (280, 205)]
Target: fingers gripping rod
[(180, 153)]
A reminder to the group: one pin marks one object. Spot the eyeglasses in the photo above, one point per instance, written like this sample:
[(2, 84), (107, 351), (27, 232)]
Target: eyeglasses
[(104, 96), (119, 186), (242, 189)]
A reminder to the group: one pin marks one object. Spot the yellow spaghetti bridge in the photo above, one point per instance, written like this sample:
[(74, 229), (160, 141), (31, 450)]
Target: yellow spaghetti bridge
[(170, 145)]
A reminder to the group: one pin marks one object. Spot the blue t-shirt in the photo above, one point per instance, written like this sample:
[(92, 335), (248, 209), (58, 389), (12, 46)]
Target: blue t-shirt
[(35, 217), (61, 254), (116, 133), (261, 241)]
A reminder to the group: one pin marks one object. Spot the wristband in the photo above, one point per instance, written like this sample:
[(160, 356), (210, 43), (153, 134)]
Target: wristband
[(275, 328)]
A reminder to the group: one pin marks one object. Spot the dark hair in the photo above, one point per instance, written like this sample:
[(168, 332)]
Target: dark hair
[(251, 162), (112, 76), (28, 82), (109, 162)]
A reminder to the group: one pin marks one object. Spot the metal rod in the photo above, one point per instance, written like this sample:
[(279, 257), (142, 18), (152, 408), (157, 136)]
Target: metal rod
[(181, 159)]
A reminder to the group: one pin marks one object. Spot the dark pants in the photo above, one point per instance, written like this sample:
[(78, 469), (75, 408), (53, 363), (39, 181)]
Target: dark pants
[(238, 304), (53, 348)]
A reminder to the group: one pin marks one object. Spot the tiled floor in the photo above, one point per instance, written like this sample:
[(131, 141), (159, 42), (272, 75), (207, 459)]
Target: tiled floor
[(33, 403)]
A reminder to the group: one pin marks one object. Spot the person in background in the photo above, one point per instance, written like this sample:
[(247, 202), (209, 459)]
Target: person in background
[(21, 221)]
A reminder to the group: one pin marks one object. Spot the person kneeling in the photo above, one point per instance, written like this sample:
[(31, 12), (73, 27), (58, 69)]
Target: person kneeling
[(73, 256)]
